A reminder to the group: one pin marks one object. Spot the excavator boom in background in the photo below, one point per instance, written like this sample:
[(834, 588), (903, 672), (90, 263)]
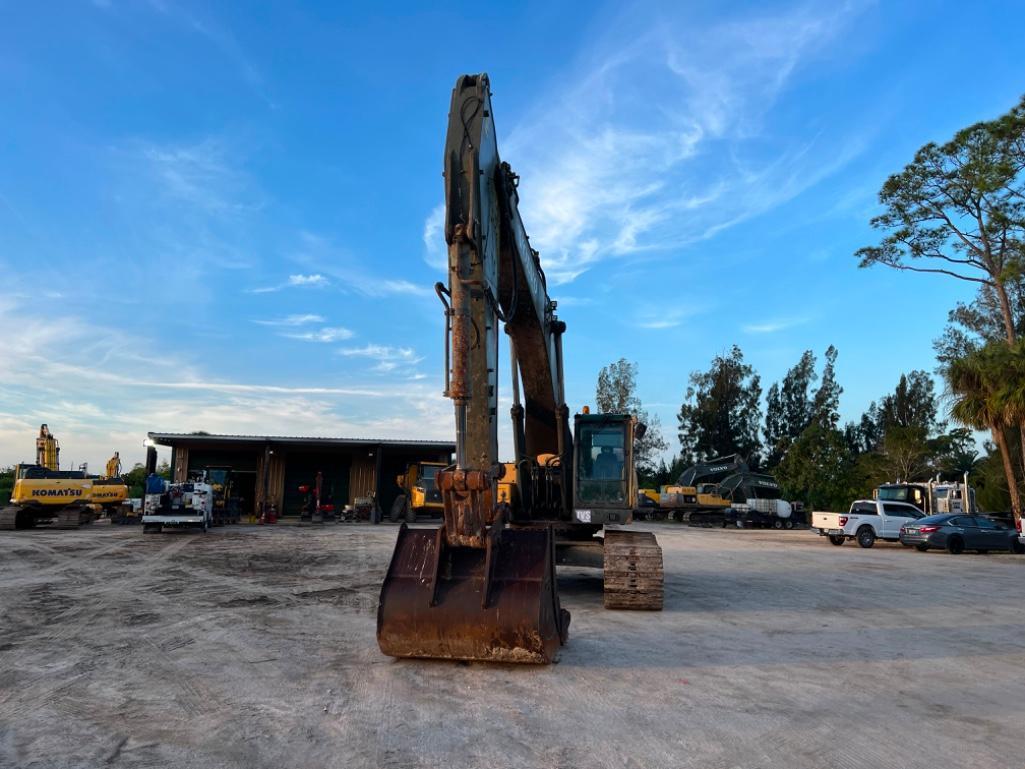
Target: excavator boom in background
[(483, 585)]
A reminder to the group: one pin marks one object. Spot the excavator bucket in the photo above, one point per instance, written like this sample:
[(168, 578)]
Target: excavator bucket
[(494, 604)]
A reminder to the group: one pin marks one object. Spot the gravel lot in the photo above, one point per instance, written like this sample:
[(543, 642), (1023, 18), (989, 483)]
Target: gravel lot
[(254, 647)]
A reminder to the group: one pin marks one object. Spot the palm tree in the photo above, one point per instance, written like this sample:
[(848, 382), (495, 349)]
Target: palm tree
[(976, 384), (1011, 393)]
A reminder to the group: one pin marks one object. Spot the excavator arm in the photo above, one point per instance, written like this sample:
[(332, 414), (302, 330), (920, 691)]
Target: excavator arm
[(477, 588), (495, 276)]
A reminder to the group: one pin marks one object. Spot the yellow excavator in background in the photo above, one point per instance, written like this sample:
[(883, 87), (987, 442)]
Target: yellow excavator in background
[(420, 494), (43, 493)]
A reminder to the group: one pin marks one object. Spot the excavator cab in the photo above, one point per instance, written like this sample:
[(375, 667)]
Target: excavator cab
[(604, 479)]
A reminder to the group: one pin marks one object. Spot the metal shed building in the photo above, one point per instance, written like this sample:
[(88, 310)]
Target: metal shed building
[(276, 466)]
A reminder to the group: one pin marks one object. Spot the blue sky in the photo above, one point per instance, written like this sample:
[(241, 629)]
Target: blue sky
[(225, 217)]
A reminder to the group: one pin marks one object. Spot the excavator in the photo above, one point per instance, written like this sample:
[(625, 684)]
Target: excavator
[(483, 586), (420, 494), (43, 493)]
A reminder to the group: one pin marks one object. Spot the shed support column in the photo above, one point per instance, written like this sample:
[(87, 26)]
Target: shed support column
[(265, 480), (377, 512)]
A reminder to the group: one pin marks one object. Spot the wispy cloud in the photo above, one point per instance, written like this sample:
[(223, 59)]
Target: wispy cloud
[(772, 326), (389, 360), (307, 280), (200, 174), (294, 281), (190, 204), (671, 317), (347, 271), (662, 142), (434, 239), (292, 320), (380, 352), (327, 334)]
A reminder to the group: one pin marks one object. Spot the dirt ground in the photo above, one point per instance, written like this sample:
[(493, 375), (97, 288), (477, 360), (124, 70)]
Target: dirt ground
[(254, 647)]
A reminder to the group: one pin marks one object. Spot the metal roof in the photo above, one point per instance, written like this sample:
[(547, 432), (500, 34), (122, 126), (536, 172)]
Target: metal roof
[(165, 439)]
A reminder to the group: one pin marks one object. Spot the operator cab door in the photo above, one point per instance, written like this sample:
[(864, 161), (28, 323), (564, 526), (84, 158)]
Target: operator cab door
[(603, 475), (895, 515)]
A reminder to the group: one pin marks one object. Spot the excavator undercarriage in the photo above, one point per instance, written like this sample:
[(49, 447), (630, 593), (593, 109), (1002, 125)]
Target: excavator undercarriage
[(483, 585)]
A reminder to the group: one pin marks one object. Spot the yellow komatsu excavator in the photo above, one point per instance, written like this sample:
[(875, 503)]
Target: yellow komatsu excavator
[(483, 585), (43, 493)]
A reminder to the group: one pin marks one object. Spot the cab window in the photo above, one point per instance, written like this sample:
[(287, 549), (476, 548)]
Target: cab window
[(894, 493), (902, 511), (601, 463), (602, 456)]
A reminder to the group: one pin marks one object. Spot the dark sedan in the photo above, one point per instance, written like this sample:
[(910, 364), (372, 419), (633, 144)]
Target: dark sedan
[(959, 532)]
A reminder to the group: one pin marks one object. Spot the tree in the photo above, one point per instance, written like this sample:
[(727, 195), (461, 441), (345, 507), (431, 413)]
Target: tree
[(911, 405), (616, 393), (1011, 393), (6, 484), (825, 406), (958, 209), (668, 473), (957, 455), (819, 469), (788, 408), (791, 406), (906, 454), (990, 483), (975, 382), (970, 326), (900, 437), (721, 411), (135, 479)]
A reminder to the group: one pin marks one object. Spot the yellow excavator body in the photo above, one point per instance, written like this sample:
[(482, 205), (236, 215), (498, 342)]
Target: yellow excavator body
[(42, 492), (685, 497), (418, 484), (651, 494)]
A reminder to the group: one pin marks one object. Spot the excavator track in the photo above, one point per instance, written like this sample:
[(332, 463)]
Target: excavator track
[(70, 517), (9, 518), (633, 571)]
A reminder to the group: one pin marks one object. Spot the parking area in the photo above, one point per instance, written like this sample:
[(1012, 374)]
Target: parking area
[(254, 647)]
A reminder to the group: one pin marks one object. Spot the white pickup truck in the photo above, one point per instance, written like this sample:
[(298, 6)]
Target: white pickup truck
[(867, 521)]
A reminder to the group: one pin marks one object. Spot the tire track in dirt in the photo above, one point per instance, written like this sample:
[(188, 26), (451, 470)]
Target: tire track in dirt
[(78, 621)]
